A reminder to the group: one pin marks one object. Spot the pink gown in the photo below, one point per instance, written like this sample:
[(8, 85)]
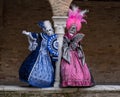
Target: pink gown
[(74, 70)]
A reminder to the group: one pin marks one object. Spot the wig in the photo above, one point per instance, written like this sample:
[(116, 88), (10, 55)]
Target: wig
[(46, 26), (76, 17)]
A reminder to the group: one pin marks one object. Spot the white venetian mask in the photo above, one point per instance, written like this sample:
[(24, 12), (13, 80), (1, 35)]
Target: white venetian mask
[(72, 30), (48, 27)]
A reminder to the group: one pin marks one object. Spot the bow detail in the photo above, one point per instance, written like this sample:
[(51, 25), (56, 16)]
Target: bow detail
[(73, 45)]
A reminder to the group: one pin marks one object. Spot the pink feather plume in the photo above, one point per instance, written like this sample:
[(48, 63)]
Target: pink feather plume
[(76, 17)]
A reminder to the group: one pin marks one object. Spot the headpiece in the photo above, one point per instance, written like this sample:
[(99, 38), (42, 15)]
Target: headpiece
[(76, 17), (46, 26)]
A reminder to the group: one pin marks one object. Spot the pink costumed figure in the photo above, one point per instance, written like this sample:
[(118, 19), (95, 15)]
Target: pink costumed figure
[(74, 70)]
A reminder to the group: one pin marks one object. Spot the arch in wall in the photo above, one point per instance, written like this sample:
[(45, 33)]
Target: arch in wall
[(60, 7), (18, 15), (23, 14)]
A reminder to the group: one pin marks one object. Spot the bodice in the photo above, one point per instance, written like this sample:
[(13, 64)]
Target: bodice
[(43, 46)]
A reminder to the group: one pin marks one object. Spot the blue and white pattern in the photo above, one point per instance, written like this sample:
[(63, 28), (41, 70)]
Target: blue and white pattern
[(37, 69), (53, 47)]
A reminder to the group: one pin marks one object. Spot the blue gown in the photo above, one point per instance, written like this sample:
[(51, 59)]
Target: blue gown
[(37, 69)]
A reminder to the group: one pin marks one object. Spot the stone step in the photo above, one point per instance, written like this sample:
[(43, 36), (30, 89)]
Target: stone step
[(96, 91)]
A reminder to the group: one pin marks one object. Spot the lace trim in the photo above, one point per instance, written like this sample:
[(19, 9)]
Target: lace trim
[(32, 42)]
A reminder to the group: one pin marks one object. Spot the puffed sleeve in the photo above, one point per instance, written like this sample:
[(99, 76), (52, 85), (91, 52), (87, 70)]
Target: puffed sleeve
[(66, 49), (32, 39), (76, 39)]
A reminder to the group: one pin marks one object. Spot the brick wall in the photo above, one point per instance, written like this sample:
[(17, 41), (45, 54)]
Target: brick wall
[(60, 7), (101, 43), (18, 15), (1, 13)]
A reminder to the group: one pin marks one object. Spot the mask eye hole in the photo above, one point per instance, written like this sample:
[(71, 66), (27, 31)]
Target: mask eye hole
[(73, 29), (48, 30)]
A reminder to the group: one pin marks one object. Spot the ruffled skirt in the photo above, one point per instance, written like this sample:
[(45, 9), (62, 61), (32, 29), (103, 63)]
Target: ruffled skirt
[(75, 73)]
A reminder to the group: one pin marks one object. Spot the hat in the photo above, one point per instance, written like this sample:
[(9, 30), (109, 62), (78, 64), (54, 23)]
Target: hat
[(76, 17)]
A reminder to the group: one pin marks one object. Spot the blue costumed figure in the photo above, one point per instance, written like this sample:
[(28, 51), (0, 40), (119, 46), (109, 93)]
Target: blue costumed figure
[(37, 69)]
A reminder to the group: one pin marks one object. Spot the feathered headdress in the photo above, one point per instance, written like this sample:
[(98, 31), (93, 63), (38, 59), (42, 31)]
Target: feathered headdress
[(76, 17)]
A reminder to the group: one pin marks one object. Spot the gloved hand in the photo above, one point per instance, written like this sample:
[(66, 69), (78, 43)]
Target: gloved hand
[(25, 32), (73, 45)]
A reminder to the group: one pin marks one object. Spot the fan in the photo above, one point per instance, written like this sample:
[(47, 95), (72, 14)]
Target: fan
[(53, 45)]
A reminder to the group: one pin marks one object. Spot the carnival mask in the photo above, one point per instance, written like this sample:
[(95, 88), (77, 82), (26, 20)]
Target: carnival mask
[(47, 27), (72, 29)]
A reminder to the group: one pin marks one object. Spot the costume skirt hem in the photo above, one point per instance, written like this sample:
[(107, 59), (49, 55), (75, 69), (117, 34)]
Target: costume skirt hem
[(76, 83)]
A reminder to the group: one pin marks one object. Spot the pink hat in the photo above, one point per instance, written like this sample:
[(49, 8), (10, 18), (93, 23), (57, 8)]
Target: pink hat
[(75, 17)]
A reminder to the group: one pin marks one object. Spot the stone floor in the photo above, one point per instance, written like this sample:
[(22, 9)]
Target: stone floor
[(96, 91), (96, 88)]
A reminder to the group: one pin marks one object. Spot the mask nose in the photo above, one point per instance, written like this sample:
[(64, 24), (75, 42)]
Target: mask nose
[(49, 31), (73, 29)]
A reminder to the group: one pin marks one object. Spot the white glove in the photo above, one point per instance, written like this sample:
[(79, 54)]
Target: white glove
[(25, 32)]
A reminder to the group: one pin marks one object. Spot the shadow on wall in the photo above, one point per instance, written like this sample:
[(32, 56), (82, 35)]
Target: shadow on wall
[(18, 15)]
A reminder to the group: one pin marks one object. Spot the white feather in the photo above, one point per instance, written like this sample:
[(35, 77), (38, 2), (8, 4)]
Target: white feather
[(75, 8), (82, 13)]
